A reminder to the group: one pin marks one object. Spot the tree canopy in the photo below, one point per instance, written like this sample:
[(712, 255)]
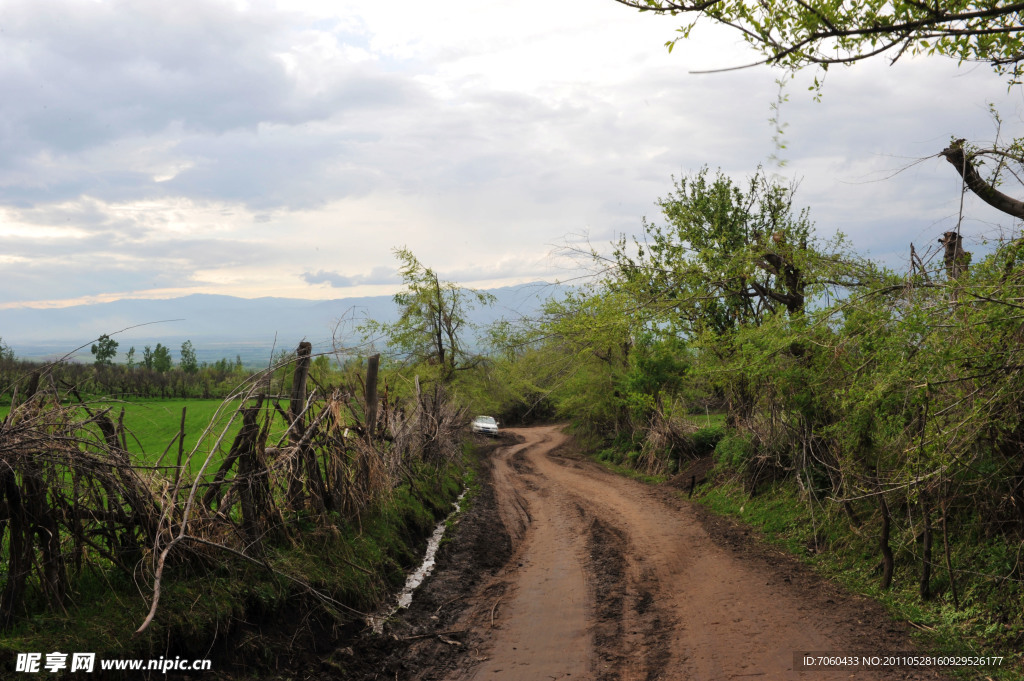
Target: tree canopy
[(432, 325), (796, 34), (104, 350), (161, 358), (729, 256), (189, 364)]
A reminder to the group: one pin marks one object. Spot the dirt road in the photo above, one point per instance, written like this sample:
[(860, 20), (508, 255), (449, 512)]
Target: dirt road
[(609, 579), (563, 570)]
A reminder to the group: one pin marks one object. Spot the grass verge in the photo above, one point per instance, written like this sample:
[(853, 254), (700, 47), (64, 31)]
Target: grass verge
[(230, 609)]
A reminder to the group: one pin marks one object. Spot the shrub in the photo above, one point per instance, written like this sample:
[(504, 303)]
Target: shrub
[(706, 439), (734, 450)]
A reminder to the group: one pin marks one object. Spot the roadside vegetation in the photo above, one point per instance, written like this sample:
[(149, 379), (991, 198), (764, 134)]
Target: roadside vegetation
[(854, 412), (869, 420), (141, 527)]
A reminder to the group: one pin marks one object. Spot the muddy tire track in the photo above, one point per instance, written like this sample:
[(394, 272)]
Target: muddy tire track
[(607, 569), (565, 571), (613, 580)]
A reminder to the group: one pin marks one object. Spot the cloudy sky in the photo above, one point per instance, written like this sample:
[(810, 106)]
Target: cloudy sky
[(153, 150)]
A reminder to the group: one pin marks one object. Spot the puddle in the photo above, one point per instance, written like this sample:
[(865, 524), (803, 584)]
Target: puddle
[(416, 577)]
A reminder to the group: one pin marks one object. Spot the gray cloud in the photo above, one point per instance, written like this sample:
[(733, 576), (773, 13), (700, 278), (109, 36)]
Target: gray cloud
[(78, 74), (159, 81), (279, 119), (378, 275), (206, 89)]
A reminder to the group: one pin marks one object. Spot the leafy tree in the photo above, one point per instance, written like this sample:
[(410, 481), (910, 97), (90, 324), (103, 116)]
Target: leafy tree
[(130, 357), (727, 257), (433, 319), (591, 330), (105, 350), (161, 358), (188, 361), (656, 369), (147, 357), (320, 370), (6, 352), (795, 34)]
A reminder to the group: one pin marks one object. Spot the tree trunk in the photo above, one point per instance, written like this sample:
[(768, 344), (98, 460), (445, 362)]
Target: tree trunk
[(954, 153), (883, 543), (949, 560), (926, 549), (244, 441), (954, 257), (296, 498), (372, 365), (181, 447), (253, 484), (851, 514)]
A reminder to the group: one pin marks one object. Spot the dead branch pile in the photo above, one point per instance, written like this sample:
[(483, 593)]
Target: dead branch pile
[(71, 497), (665, 439)]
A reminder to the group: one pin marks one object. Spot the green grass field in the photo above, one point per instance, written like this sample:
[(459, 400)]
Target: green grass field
[(153, 424)]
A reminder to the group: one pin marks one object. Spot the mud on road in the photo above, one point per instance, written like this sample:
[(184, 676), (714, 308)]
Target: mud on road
[(563, 570)]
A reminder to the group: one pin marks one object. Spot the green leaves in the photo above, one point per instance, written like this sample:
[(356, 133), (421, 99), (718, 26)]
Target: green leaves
[(432, 326), (189, 364), (104, 350), (161, 358), (727, 257), (795, 35)]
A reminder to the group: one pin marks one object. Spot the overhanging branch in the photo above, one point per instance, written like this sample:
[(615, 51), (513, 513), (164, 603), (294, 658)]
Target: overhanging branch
[(954, 153)]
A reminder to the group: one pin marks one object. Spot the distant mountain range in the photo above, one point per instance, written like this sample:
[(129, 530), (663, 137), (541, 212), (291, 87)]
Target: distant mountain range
[(225, 326)]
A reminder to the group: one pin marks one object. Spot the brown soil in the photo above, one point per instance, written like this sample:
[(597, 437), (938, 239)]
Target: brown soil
[(563, 570), (695, 473)]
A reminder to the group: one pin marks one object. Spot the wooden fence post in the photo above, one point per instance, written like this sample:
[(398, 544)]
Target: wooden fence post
[(181, 447), (372, 364), (298, 400), (298, 430)]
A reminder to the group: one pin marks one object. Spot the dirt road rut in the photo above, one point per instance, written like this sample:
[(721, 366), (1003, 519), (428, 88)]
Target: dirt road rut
[(611, 579)]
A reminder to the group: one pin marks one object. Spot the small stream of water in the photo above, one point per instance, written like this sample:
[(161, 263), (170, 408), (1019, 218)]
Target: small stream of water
[(417, 576)]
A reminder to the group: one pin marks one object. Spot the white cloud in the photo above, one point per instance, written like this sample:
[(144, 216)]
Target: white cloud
[(260, 149)]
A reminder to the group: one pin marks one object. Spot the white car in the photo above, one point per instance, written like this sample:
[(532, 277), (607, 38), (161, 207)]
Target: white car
[(486, 425)]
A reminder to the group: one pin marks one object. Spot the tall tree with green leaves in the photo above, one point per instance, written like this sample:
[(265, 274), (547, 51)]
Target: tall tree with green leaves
[(104, 350), (6, 352), (162, 361), (188, 363), (589, 333), (727, 256), (433, 323)]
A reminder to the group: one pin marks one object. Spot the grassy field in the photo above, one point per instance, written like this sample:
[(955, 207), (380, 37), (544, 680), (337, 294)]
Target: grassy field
[(153, 424)]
